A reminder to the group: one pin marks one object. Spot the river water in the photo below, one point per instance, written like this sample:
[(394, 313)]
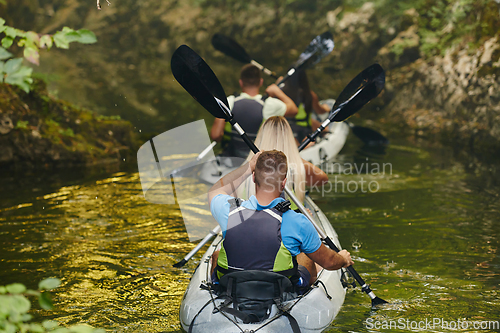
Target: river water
[(423, 232)]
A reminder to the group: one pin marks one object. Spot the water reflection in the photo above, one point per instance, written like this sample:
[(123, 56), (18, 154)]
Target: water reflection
[(427, 241)]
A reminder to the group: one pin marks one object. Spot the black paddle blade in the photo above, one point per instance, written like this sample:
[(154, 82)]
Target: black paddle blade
[(320, 47), (180, 263), (230, 47), (369, 136), (378, 301), (194, 75), (363, 88)]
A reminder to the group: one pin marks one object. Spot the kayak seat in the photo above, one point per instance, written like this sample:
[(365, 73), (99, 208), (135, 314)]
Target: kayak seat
[(253, 293)]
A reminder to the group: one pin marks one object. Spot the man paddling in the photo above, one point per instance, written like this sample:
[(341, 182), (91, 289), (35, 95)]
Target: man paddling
[(261, 233), (250, 110)]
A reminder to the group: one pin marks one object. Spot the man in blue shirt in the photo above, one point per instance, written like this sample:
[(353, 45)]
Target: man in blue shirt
[(258, 234)]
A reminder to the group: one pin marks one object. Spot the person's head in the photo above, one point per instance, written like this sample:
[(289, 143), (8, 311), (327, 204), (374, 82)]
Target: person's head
[(276, 133), (270, 171), (250, 77)]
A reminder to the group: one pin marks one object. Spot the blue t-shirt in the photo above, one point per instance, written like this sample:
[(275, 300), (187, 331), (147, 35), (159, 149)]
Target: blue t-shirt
[(297, 232)]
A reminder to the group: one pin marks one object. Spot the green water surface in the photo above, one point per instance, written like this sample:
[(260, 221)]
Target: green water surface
[(426, 241)]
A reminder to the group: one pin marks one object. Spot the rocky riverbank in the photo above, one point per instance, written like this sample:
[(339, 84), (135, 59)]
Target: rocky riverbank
[(39, 131), (450, 93)]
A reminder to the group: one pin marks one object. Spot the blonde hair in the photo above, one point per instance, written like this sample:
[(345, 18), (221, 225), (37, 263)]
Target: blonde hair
[(277, 134)]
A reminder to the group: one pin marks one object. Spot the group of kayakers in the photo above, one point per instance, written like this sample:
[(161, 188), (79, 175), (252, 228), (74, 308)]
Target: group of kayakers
[(260, 232)]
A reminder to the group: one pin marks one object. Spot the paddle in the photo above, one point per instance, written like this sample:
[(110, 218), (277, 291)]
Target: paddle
[(319, 47), (363, 88), (231, 48), (199, 71)]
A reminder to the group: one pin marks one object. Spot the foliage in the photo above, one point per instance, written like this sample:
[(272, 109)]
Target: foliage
[(12, 70), (14, 307)]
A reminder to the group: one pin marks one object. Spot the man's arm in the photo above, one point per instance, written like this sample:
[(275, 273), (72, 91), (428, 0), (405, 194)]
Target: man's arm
[(274, 91), (217, 131), (329, 259), (230, 182), (319, 108)]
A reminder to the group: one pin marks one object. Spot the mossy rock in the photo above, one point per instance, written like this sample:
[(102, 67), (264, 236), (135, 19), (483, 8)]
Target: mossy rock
[(37, 130)]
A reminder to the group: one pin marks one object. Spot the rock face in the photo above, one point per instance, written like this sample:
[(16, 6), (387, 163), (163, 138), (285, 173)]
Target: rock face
[(39, 131), (455, 96)]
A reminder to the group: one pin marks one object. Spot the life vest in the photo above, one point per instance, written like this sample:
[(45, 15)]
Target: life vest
[(248, 113), (302, 118), (253, 242)]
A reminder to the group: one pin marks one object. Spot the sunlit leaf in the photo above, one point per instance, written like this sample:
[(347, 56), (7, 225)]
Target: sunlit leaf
[(86, 36), (67, 29), (49, 324), (32, 55), (11, 32), (46, 41), (21, 42), (60, 40), (16, 288), (9, 328), (60, 330), (4, 54), (45, 301), (81, 329), (3, 290), (33, 37), (48, 284), (13, 65), (21, 78), (7, 42), (2, 21)]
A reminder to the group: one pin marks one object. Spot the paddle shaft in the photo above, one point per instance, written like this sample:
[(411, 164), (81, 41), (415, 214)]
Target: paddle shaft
[(204, 241), (333, 113), (264, 69)]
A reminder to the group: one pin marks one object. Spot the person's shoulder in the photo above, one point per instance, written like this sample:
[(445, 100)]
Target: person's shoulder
[(294, 217)]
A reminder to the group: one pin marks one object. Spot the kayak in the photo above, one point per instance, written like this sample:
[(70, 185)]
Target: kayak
[(314, 311), (323, 150)]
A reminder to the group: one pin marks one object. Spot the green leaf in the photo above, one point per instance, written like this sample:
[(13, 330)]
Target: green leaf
[(48, 284), (81, 329), (37, 328), (86, 37), (46, 40), (16, 288), (32, 55), (4, 54), (7, 42), (13, 65), (60, 330), (2, 21), (50, 324), (19, 304), (9, 328), (72, 36), (26, 317), (67, 29), (45, 301), (33, 37), (32, 292), (11, 32), (60, 40)]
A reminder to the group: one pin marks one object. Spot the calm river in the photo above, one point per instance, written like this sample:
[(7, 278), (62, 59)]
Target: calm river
[(425, 237)]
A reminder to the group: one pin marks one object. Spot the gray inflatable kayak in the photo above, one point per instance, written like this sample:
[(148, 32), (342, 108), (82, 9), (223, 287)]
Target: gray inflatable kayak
[(314, 311)]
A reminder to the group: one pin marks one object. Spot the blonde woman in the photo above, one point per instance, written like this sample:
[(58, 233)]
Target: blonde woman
[(276, 133)]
